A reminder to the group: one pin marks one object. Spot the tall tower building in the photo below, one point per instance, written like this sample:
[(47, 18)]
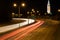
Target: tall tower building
[(48, 7)]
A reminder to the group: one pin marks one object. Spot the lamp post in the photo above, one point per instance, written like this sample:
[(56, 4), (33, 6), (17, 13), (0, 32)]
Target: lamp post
[(22, 4), (28, 16)]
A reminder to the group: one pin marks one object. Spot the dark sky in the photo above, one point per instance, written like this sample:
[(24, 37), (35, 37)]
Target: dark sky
[(40, 4), (37, 4), (6, 6)]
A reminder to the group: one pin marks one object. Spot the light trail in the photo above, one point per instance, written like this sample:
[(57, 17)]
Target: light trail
[(28, 31), (25, 31), (14, 26)]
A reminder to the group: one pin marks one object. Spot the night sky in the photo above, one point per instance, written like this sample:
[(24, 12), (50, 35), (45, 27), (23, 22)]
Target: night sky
[(39, 4), (6, 6), (36, 4)]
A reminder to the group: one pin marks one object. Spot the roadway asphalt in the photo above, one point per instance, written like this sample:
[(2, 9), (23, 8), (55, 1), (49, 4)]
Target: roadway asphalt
[(50, 30)]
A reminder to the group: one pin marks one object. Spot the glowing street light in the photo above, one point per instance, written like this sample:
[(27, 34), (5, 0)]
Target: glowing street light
[(23, 4), (14, 4)]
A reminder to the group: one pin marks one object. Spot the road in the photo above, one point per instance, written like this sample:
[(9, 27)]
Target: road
[(21, 32), (50, 30)]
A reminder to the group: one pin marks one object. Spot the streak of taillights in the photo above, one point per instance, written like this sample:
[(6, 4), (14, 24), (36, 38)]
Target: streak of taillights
[(16, 32)]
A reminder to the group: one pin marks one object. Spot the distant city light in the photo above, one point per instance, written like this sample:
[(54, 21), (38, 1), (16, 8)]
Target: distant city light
[(39, 14), (32, 9), (21, 14), (37, 11), (16, 15), (13, 14), (28, 12), (45, 13), (58, 10), (31, 12)]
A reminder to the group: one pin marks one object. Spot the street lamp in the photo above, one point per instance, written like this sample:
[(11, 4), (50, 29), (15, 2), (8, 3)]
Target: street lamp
[(22, 4), (14, 4)]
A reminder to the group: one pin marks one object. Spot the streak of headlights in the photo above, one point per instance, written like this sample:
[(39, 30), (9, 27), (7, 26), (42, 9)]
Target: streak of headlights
[(14, 26)]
